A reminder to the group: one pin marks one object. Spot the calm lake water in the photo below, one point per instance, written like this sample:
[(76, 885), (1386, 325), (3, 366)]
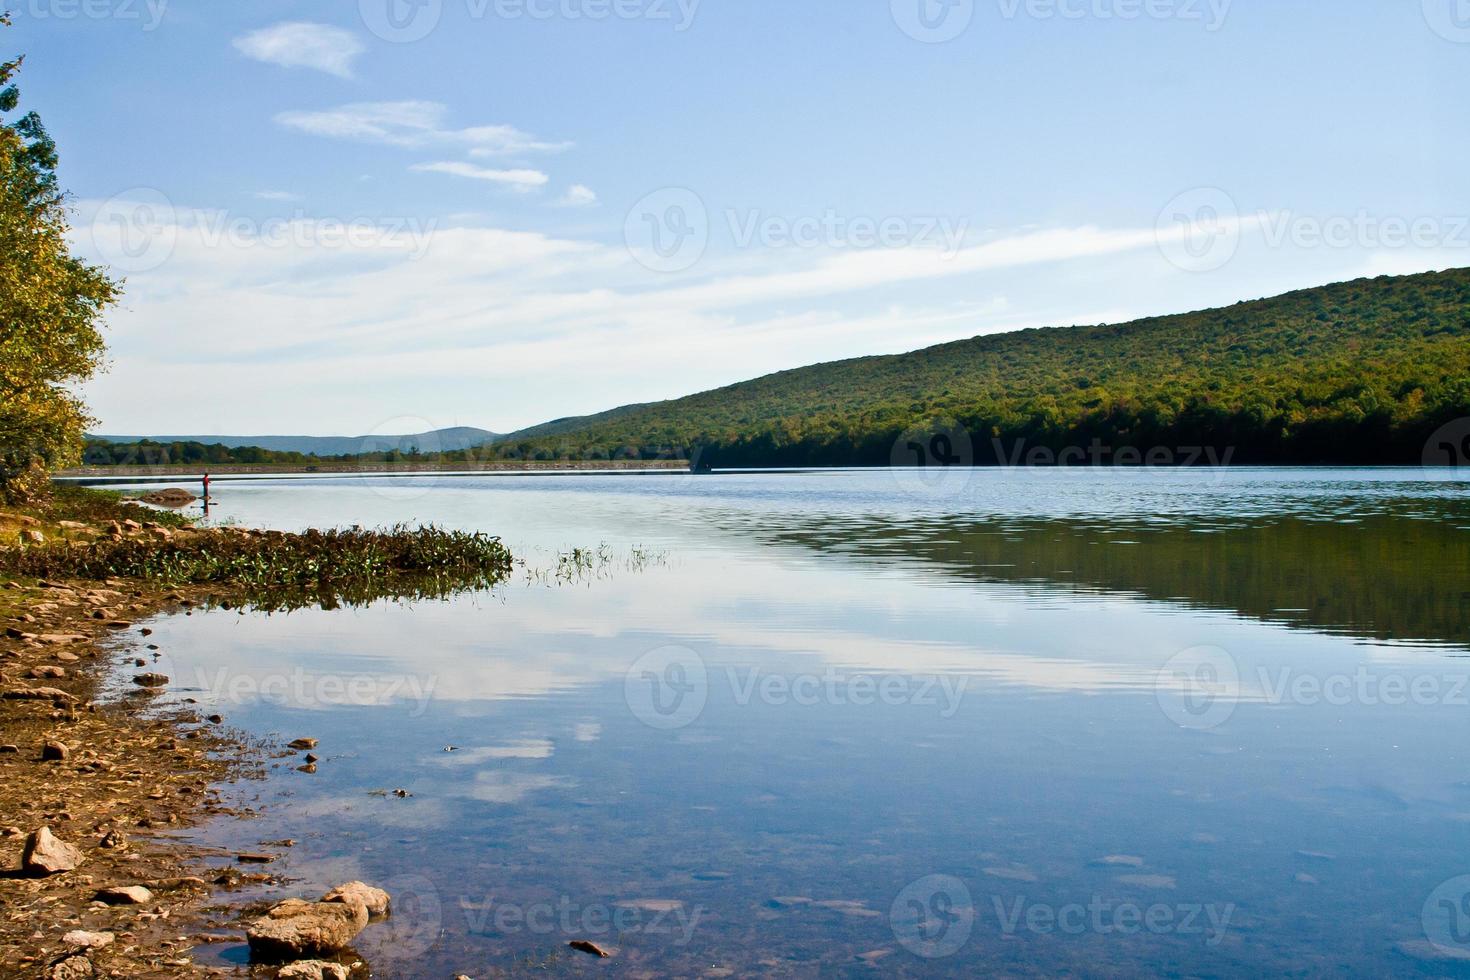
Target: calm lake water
[(1007, 723)]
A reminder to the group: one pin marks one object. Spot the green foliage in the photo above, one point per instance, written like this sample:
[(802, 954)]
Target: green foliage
[(50, 306), (1357, 372)]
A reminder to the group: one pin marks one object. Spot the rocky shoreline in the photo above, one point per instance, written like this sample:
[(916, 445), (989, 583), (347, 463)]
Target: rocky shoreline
[(106, 781), (101, 776)]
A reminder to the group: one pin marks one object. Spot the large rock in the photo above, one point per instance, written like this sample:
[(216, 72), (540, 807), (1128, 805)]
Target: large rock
[(313, 970), (375, 900), (44, 854), (125, 895), (297, 930)]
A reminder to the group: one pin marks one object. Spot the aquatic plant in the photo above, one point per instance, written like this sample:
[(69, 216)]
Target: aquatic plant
[(276, 570)]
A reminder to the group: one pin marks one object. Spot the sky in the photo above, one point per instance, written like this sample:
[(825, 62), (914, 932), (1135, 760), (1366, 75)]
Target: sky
[(339, 217)]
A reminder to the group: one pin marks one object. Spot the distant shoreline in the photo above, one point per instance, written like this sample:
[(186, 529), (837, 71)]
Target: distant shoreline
[(367, 469)]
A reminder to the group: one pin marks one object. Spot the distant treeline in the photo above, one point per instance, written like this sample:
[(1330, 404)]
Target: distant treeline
[(146, 452)]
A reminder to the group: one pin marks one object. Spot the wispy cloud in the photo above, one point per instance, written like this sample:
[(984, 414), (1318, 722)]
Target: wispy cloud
[(277, 196), (416, 125), (578, 196), (519, 179), (301, 44)]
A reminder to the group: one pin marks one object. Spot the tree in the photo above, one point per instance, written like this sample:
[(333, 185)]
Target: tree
[(51, 306)]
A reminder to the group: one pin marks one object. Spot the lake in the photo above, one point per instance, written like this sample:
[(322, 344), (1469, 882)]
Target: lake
[(992, 722)]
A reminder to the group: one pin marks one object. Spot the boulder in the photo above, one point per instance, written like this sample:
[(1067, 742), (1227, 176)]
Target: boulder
[(44, 854), (54, 752), (297, 930), (375, 900), (151, 680), (313, 970)]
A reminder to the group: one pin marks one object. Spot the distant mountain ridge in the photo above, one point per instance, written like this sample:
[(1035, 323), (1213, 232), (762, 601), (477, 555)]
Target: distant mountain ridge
[(453, 439)]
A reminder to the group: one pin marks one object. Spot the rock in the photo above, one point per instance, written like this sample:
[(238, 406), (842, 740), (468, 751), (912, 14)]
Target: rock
[(151, 680), (402, 794), (255, 858), (46, 855), (16, 633), (32, 537), (301, 744), (61, 639), (9, 749), (312, 757), (52, 694), (583, 946), (47, 671), (71, 968), (54, 752), (215, 719), (295, 930), (313, 970), (88, 940), (125, 895), (113, 839), (375, 900)]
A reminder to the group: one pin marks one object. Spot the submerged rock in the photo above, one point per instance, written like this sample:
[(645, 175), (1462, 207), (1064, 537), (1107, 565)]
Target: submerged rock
[(313, 970), (151, 680), (296, 930), (583, 946), (45, 854)]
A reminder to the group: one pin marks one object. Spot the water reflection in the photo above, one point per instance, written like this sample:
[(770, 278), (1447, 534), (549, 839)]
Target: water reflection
[(843, 731)]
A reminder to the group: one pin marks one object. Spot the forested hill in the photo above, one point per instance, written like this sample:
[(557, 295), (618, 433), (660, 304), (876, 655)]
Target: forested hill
[(1362, 371)]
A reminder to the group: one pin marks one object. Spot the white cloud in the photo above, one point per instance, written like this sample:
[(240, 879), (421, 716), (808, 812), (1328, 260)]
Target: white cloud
[(300, 44), (277, 196), (578, 196), (519, 179), (416, 125)]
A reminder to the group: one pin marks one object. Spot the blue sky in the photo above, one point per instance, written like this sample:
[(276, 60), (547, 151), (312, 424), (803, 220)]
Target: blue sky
[(331, 225)]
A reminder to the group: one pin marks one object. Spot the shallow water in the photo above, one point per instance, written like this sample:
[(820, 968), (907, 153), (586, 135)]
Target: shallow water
[(1107, 723)]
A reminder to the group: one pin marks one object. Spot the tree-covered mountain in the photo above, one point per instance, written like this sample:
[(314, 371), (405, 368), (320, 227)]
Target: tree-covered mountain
[(1356, 372)]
